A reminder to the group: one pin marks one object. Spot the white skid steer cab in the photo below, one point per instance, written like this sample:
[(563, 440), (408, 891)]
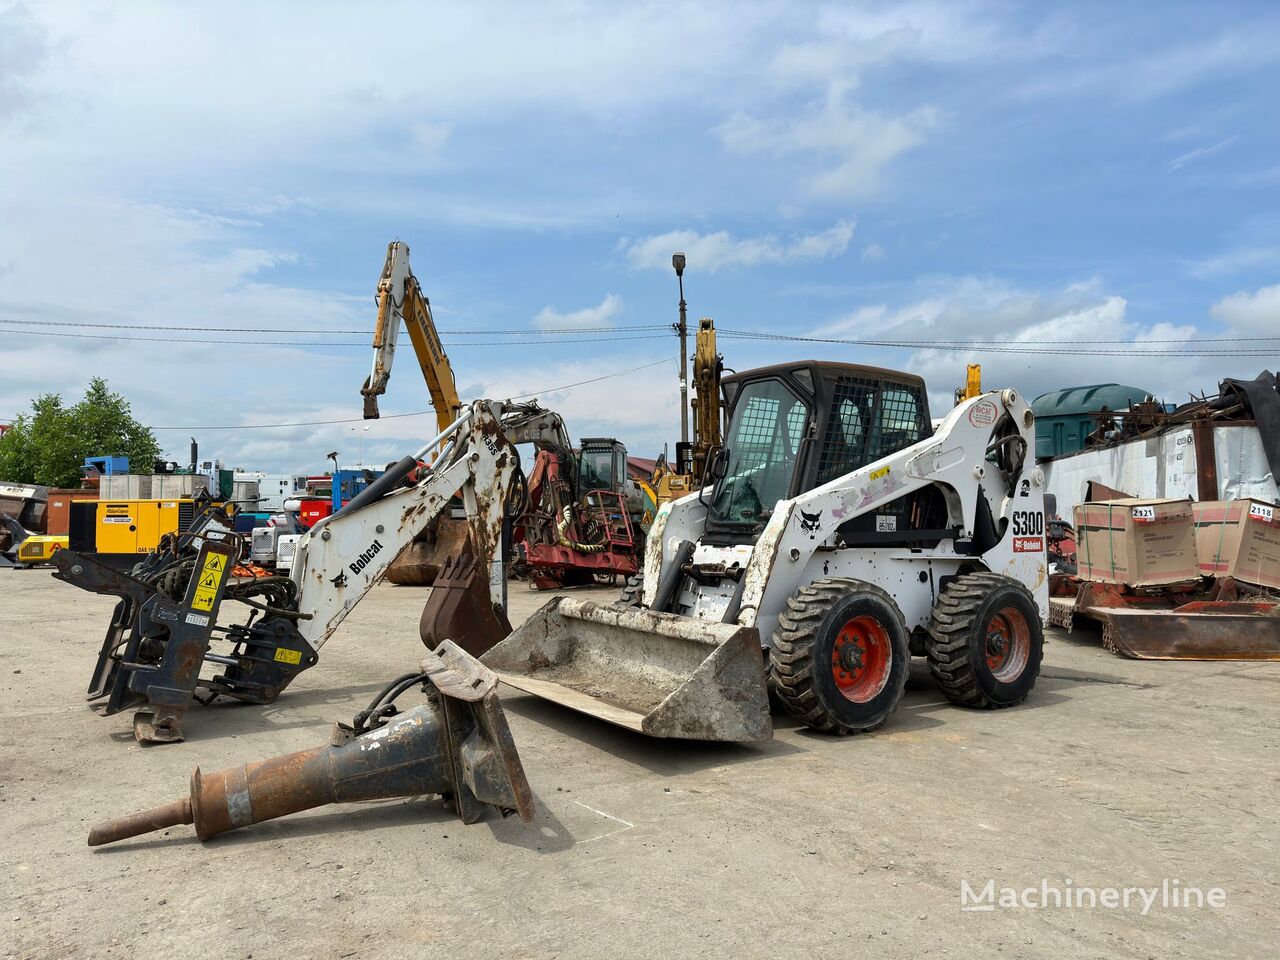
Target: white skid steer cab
[(837, 535)]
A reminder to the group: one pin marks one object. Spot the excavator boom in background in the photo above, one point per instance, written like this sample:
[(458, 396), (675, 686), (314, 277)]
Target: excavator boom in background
[(670, 483), (400, 297)]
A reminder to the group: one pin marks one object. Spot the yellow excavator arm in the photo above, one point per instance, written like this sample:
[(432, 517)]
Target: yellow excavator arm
[(707, 367), (399, 297), (972, 384)]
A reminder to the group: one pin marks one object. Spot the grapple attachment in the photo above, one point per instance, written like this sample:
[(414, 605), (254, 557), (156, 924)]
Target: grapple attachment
[(656, 673)]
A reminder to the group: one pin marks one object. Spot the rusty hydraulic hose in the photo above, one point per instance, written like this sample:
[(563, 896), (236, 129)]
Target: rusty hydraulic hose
[(457, 745)]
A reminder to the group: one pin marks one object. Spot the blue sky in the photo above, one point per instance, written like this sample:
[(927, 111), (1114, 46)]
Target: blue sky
[(994, 172)]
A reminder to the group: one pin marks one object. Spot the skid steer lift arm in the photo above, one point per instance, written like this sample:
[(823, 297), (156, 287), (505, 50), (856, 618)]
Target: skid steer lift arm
[(400, 296), (171, 605)]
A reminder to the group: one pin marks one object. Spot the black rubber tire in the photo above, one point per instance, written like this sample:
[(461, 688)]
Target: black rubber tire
[(801, 653), (957, 642), (631, 592)]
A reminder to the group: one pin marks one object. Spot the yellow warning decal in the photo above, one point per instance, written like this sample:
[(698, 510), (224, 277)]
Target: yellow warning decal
[(882, 472), (289, 656), (211, 574)]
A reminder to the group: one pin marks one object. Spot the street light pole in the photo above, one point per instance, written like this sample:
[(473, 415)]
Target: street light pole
[(682, 328)]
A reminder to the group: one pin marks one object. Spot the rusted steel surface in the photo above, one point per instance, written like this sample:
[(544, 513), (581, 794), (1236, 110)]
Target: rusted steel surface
[(1206, 460), (457, 745), (460, 608), (1177, 625), (656, 673), (1209, 632), (145, 821), (419, 563)]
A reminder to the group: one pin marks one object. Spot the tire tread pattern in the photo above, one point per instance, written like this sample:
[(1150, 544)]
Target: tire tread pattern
[(950, 631), (791, 658)]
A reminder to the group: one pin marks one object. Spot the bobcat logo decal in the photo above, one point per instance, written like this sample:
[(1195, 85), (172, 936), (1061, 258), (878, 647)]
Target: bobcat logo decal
[(810, 522)]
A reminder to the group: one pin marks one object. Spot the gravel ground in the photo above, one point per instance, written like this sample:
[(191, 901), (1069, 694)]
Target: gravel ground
[(1116, 773)]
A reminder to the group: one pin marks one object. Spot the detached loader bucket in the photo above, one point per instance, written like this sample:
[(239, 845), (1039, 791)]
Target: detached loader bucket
[(655, 673)]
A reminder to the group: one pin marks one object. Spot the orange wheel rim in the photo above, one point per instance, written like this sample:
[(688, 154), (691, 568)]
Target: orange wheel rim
[(1008, 644), (860, 659)]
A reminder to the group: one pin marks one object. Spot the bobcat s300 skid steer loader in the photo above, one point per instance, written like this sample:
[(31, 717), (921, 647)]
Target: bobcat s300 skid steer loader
[(837, 534)]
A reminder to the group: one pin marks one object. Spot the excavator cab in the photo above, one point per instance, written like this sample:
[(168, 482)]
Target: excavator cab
[(602, 465), (794, 427)]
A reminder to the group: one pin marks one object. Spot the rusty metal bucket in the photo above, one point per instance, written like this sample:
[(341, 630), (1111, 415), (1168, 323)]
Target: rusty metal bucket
[(656, 673), (419, 563), (461, 609), (1179, 628)]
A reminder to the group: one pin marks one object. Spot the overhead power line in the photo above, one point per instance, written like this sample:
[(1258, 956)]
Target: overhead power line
[(175, 328), (1134, 347), (418, 413), (1200, 347), (365, 344)]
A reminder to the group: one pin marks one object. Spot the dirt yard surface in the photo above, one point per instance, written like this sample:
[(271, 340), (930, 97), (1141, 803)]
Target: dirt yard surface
[(1115, 774)]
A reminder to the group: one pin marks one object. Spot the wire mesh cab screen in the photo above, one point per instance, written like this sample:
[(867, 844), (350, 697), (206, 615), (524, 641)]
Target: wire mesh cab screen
[(869, 419)]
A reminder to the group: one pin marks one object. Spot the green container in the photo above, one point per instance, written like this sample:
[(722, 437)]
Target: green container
[(1065, 417)]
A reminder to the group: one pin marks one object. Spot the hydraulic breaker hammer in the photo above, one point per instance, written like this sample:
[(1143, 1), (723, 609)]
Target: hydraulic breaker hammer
[(457, 744)]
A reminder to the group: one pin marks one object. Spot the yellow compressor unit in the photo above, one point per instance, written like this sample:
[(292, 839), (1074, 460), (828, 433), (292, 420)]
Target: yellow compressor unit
[(119, 530), (39, 549)]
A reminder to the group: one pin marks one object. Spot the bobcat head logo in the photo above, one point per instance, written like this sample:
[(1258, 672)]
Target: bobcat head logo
[(810, 522)]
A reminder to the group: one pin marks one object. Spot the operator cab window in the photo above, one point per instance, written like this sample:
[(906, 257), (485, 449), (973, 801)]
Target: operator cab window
[(763, 441)]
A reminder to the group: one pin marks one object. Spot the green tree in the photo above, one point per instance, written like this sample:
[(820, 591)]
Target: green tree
[(49, 445)]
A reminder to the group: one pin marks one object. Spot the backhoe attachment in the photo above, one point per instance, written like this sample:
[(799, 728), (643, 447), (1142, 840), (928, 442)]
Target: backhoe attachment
[(457, 745)]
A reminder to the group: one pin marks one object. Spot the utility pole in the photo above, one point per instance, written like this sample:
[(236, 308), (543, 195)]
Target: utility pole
[(682, 328)]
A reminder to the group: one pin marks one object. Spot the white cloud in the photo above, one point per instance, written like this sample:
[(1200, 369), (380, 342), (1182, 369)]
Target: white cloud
[(1257, 312), (24, 49), (851, 38), (851, 146), (1234, 261), (997, 314), (429, 138), (600, 315), (716, 251), (873, 253), (1199, 153), (1142, 76)]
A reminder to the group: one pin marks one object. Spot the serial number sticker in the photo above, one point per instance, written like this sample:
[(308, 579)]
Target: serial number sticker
[(1263, 512), (877, 474), (1144, 514), (117, 519), (289, 656), (886, 524), (197, 620)]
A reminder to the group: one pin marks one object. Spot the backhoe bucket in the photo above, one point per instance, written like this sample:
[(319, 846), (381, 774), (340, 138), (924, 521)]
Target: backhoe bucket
[(460, 608), (419, 563), (656, 673)]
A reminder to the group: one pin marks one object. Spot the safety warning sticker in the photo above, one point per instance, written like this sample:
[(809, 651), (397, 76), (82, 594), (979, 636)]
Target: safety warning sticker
[(207, 581), (289, 656)]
